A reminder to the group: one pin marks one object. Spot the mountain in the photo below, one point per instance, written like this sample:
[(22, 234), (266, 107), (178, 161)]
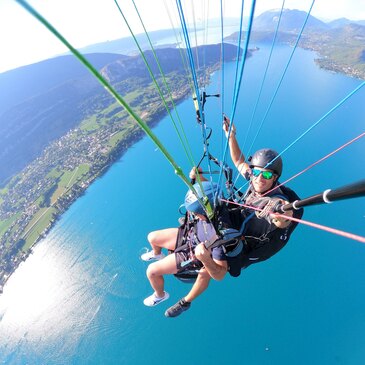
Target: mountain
[(66, 94), (127, 45), (169, 58), (25, 82), (345, 46), (338, 23), (349, 32), (290, 25), (291, 21), (40, 103), (340, 44)]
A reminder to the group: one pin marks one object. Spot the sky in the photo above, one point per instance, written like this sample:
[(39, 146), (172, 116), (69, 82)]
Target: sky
[(23, 40)]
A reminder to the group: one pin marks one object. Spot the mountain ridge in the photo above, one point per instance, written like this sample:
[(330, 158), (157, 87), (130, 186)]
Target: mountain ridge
[(26, 81), (291, 21)]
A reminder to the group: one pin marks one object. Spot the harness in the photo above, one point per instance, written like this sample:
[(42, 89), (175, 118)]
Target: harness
[(187, 230), (229, 238), (231, 224), (263, 239)]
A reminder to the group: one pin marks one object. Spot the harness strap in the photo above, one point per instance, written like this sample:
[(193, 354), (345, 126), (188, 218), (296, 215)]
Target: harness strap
[(245, 221), (243, 226)]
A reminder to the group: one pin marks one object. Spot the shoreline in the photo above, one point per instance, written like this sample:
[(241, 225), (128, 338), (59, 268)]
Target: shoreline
[(325, 63), (116, 154), (76, 192), (325, 60)]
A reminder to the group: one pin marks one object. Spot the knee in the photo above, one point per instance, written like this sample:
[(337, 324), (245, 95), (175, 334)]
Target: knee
[(152, 237), (151, 271), (203, 277)]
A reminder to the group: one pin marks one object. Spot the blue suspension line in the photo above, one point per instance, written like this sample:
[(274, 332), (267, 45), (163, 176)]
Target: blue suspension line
[(319, 121), (188, 50), (244, 55), (238, 173), (265, 74), (179, 40), (196, 85), (238, 49), (180, 133), (205, 24), (222, 61), (196, 39), (238, 85), (313, 126), (282, 77)]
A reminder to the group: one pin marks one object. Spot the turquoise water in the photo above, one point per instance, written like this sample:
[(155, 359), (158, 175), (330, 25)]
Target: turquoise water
[(78, 298)]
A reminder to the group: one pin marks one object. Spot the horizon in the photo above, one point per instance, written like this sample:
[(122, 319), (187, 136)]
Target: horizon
[(37, 44)]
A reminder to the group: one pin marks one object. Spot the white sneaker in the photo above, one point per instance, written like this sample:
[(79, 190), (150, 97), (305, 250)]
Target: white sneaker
[(153, 300), (150, 256)]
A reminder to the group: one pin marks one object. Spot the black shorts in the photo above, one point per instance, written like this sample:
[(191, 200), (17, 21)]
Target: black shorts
[(253, 255)]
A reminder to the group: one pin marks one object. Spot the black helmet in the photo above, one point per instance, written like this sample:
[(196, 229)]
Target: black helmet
[(263, 157)]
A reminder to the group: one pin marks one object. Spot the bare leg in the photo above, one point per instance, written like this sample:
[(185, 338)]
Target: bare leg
[(164, 238), (156, 271), (200, 285)]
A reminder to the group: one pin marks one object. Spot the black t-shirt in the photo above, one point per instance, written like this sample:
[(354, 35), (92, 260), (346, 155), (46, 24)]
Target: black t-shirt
[(262, 238)]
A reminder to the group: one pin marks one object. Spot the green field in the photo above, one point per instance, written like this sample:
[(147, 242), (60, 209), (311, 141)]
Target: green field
[(90, 124), (68, 179), (102, 118), (5, 224), (54, 173), (38, 224), (108, 124), (119, 136)]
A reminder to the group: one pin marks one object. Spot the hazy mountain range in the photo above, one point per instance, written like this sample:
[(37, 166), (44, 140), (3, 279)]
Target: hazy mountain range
[(292, 20), (42, 102)]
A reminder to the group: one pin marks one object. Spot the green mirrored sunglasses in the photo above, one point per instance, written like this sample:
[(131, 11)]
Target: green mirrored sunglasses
[(267, 175)]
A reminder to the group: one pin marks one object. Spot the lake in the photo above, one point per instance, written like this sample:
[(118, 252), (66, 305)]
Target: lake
[(78, 298)]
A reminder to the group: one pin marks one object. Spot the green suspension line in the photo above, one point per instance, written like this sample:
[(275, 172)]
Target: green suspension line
[(182, 54), (108, 87), (125, 105), (182, 135)]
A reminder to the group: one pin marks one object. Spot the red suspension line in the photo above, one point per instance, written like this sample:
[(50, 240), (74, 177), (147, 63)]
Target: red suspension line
[(311, 224), (316, 163)]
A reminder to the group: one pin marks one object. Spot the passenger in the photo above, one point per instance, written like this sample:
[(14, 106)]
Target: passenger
[(188, 245)]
